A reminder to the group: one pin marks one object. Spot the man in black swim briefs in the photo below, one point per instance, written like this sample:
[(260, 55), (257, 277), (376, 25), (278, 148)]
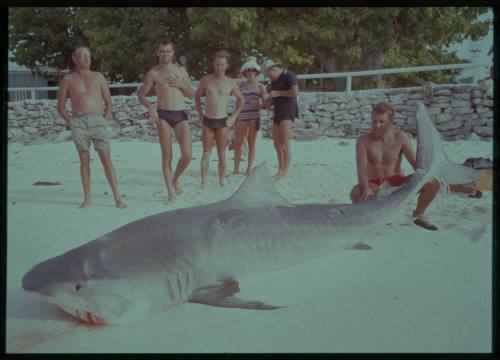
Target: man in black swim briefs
[(172, 117), (172, 85), (217, 88)]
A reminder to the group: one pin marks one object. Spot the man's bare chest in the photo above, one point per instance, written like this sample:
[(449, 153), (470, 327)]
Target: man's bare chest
[(385, 153), (163, 77), (81, 85), (218, 89)]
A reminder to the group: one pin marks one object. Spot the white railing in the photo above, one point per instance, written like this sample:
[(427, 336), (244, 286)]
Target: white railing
[(350, 75), (22, 91)]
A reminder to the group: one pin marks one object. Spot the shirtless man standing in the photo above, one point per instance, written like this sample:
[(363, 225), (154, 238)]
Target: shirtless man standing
[(90, 98), (171, 84), (217, 88), (378, 158)]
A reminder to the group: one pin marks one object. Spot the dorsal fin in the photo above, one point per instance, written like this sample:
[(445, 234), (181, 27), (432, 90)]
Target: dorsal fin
[(257, 190)]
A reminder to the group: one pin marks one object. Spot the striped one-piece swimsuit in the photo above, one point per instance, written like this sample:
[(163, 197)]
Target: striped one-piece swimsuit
[(251, 110)]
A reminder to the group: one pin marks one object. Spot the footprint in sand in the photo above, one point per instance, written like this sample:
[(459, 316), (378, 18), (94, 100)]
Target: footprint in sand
[(480, 209), (476, 234)]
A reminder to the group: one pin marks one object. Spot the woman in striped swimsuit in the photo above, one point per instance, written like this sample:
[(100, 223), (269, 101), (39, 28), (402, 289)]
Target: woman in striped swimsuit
[(248, 123)]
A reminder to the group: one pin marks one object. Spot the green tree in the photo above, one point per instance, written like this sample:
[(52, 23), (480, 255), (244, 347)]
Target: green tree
[(43, 36), (214, 29), (305, 39), (123, 39), (349, 39)]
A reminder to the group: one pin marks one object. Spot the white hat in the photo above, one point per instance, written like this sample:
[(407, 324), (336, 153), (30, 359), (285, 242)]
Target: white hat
[(250, 63), (268, 64)]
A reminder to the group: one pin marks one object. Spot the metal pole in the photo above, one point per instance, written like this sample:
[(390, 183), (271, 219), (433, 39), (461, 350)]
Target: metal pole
[(475, 75), (349, 84)]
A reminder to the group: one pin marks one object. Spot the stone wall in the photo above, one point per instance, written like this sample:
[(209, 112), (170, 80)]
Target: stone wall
[(459, 112)]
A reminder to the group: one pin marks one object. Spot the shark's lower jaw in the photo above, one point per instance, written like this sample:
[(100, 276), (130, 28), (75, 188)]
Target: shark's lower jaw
[(86, 316)]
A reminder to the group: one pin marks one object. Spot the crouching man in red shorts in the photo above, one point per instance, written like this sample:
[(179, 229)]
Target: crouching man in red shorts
[(378, 158)]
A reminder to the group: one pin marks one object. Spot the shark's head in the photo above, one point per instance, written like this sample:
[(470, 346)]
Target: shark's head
[(80, 286)]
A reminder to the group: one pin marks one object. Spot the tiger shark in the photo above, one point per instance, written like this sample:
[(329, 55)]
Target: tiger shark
[(196, 254)]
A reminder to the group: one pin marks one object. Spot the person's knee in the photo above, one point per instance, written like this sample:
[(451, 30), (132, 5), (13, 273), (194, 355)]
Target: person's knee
[(221, 155), (105, 159), (166, 158), (186, 156), (84, 158), (237, 144), (432, 186)]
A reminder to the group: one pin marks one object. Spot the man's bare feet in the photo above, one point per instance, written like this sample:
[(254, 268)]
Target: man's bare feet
[(84, 204), (281, 176), (177, 188), (221, 181), (278, 176), (171, 199), (236, 172), (120, 204), (248, 172)]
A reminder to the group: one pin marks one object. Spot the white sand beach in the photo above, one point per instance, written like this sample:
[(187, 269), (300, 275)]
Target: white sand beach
[(414, 291)]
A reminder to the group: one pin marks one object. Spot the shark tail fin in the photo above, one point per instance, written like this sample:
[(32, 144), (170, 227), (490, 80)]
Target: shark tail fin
[(452, 173), (431, 156)]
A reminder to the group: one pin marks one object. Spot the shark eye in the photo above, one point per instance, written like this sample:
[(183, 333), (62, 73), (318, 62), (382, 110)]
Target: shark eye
[(77, 287)]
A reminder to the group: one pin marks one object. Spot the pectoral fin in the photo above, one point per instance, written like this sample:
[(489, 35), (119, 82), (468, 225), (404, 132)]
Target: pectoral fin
[(223, 295)]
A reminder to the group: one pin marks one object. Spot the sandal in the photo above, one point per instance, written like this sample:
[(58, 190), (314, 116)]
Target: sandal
[(477, 194), (424, 223)]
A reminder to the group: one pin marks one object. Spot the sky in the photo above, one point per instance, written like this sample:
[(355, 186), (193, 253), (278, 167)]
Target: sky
[(476, 51)]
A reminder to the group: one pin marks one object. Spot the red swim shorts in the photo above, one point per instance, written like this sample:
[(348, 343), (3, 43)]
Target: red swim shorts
[(395, 180)]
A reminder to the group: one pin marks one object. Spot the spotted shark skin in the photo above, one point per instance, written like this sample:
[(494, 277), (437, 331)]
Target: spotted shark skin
[(196, 254)]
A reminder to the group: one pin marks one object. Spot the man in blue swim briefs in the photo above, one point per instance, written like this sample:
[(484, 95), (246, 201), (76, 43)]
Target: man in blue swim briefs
[(217, 88), (172, 85)]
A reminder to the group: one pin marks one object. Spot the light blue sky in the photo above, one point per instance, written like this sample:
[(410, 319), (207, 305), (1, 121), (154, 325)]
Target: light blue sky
[(477, 51)]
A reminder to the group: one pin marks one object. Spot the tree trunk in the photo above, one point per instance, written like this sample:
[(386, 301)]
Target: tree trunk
[(331, 64), (371, 59)]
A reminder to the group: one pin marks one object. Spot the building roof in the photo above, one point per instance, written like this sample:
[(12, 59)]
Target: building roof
[(14, 67)]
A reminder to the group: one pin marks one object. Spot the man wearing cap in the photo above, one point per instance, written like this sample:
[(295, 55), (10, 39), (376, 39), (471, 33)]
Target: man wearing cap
[(248, 123), (90, 100), (283, 99), (172, 85), (217, 88)]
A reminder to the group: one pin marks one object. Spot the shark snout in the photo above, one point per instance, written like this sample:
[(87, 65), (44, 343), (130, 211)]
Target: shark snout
[(45, 275), (32, 282), (29, 283)]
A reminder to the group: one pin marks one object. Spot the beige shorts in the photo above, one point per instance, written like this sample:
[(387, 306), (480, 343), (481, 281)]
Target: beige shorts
[(86, 128)]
